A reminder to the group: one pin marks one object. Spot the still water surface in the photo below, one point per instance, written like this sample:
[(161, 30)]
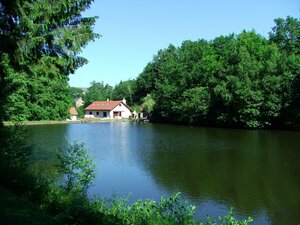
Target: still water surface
[(256, 172)]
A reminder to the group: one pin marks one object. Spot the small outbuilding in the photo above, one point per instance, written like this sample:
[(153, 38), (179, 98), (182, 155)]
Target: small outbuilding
[(73, 114)]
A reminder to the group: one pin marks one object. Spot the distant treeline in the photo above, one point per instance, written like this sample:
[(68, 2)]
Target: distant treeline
[(242, 80)]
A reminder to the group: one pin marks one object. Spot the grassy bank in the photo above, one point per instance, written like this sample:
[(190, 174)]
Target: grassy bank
[(49, 122)]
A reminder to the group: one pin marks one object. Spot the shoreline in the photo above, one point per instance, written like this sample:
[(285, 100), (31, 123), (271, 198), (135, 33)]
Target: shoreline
[(82, 121)]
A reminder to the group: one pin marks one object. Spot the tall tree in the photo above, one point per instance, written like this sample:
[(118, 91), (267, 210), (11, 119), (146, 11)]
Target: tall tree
[(76, 93), (125, 89), (40, 43), (286, 35), (98, 91)]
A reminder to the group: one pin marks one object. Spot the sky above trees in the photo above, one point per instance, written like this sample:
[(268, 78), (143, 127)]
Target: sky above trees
[(133, 31)]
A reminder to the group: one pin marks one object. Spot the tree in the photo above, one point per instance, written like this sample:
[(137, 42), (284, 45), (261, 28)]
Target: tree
[(75, 93), (148, 103), (240, 80), (286, 34), (78, 167), (195, 104), (98, 91), (145, 83), (125, 89), (40, 43)]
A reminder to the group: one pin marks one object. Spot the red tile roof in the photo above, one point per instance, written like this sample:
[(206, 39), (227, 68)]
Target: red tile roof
[(73, 111), (104, 105)]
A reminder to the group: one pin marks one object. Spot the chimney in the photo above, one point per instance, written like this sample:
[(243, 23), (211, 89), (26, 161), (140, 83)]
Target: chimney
[(124, 101)]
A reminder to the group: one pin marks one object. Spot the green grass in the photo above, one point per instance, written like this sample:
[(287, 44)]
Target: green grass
[(44, 122), (9, 123)]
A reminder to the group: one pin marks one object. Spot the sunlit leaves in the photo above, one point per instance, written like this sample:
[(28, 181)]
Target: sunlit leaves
[(78, 167), (42, 40), (242, 80)]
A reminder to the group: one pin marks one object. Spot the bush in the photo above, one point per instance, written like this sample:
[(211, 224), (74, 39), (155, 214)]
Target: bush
[(77, 167)]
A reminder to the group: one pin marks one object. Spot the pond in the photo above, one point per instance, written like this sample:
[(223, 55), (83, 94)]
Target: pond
[(257, 172)]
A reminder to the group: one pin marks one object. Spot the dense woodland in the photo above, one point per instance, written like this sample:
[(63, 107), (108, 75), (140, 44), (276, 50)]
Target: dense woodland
[(242, 80), (238, 80)]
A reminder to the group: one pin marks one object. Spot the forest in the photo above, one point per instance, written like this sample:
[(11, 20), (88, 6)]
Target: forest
[(239, 80)]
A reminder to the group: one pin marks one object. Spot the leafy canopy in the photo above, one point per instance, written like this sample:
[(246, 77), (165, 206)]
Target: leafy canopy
[(41, 40)]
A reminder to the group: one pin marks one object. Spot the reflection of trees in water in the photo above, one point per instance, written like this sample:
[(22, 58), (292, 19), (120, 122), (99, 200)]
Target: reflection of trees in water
[(46, 139), (249, 170), (15, 156), (26, 152), (14, 148)]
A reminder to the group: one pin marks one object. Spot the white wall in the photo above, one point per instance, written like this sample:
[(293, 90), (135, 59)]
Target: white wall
[(125, 112), (73, 118), (94, 114)]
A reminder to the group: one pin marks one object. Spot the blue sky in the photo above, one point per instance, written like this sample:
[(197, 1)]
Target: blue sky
[(134, 30)]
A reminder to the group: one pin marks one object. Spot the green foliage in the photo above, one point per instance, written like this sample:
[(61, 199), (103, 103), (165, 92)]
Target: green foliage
[(77, 166), (242, 80), (75, 93), (148, 103), (229, 220), (195, 103), (80, 112), (40, 43), (98, 91), (172, 210), (286, 34), (125, 89)]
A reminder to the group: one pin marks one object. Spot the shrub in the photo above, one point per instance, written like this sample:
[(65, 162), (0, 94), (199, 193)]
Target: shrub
[(77, 167)]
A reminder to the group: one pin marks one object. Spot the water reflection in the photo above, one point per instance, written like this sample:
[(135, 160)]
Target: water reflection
[(256, 172), (46, 140), (253, 171)]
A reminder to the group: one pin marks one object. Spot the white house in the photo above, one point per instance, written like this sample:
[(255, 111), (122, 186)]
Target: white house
[(108, 109)]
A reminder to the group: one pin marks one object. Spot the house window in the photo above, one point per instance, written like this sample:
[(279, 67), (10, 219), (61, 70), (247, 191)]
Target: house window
[(97, 113), (91, 113), (104, 114)]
